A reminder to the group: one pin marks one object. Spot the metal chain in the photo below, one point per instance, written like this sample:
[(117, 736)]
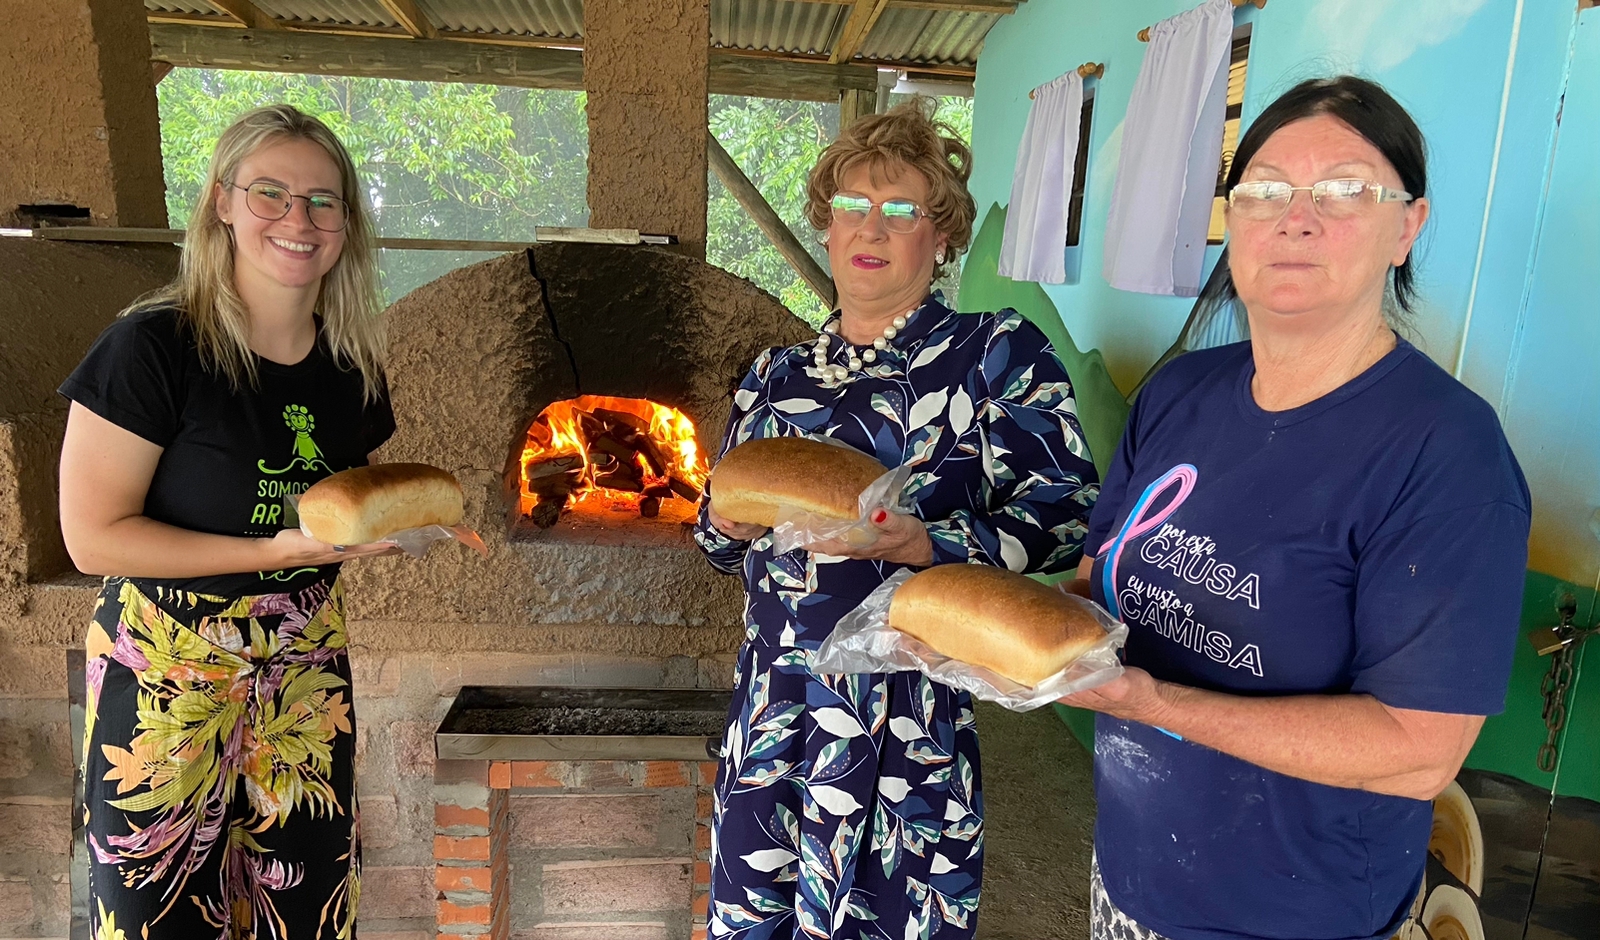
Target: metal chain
[(1554, 687)]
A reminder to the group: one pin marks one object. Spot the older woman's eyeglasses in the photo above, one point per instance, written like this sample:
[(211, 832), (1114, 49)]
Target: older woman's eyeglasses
[(271, 202), (899, 215), (1268, 200)]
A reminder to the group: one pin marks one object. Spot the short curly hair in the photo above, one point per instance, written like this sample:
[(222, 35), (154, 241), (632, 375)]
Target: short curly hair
[(905, 135)]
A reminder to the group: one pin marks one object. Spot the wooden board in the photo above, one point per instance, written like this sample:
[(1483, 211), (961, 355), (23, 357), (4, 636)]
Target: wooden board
[(442, 60)]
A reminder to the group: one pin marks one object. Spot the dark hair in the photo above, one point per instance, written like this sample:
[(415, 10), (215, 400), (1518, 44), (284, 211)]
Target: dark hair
[(1369, 111)]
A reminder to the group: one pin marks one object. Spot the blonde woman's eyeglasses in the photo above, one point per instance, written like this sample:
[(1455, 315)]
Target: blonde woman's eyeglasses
[(1268, 200), (271, 202)]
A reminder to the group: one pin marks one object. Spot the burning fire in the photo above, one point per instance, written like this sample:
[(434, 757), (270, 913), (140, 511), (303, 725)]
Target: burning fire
[(624, 449)]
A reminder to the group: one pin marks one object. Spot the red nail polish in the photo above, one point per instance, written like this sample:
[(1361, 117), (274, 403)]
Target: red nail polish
[(879, 517)]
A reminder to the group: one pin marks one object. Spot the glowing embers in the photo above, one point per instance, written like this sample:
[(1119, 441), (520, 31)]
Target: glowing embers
[(627, 453)]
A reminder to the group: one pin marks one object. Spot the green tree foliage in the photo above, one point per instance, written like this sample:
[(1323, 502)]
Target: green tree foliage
[(439, 160), (777, 143), (486, 162)]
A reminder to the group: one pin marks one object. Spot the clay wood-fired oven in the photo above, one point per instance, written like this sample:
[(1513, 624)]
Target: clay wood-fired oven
[(479, 355), (532, 376)]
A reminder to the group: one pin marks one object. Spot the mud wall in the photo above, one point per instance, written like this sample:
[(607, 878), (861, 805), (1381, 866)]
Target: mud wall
[(56, 298), (645, 68), (86, 63)]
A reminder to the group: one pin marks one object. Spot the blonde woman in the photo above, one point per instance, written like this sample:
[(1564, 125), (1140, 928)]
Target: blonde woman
[(219, 748)]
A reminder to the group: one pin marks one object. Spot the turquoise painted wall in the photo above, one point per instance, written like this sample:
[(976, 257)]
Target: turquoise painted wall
[(1509, 264), (1446, 60)]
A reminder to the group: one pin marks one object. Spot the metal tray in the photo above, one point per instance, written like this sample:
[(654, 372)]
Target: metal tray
[(539, 723)]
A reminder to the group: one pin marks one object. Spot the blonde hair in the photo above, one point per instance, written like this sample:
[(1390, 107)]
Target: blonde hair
[(204, 291), (904, 136)]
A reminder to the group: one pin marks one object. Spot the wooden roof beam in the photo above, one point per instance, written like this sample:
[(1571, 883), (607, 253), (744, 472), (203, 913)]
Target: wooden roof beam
[(247, 13), (996, 7), (409, 15), (863, 16), (456, 60)]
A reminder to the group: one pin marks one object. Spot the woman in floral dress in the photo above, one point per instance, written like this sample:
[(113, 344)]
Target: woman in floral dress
[(852, 806), (219, 778)]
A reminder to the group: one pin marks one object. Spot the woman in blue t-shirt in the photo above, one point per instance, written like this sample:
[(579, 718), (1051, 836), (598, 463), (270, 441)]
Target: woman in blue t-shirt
[(219, 744), (1317, 539)]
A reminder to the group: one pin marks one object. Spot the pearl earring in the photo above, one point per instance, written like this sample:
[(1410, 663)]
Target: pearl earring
[(938, 256)]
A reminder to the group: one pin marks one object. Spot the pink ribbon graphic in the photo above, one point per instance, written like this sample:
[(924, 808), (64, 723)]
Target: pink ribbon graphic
[(1137, 524)]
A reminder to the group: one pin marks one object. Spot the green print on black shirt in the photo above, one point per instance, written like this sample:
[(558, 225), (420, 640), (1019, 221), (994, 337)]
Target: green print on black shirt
[(229, 456)]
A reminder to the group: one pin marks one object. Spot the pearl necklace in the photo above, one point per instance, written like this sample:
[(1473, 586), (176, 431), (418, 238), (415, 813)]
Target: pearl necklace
[(831, 329)]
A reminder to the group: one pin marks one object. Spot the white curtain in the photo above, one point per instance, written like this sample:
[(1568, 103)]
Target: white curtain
[(1171, 148), (1035, 242)]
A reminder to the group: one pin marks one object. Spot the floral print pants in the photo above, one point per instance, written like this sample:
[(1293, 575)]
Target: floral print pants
[(219, 778)]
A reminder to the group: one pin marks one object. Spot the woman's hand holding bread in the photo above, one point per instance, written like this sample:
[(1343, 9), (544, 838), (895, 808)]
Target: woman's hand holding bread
[(902, 539), (754, 480), (292, 548), (738, 531)]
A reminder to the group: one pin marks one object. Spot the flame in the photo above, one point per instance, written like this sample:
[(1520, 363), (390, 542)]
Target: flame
[(557, 433)]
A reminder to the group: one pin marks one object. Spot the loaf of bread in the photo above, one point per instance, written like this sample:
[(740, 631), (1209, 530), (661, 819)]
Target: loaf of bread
[(995, 618), (752, 480), (365, 504)]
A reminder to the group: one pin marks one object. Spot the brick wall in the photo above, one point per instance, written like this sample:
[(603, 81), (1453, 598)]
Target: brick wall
[(35, 793), (572, 850), (648, 810)]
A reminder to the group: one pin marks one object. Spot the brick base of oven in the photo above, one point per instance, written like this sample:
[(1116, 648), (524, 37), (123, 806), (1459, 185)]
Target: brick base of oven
[(572, 850)]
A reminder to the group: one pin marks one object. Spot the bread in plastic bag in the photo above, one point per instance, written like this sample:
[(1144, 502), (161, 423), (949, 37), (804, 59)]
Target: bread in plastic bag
[(413, 542), (863, 642), (798, 528)]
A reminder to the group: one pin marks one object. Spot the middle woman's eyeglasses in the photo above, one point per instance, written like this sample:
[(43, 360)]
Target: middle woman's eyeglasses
[(900, 216)]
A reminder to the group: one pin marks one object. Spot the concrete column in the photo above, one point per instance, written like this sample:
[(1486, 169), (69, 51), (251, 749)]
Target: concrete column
[(645, 65), (78, 121)]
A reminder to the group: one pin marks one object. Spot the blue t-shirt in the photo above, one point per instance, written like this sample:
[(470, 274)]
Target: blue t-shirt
[(1372, 541)]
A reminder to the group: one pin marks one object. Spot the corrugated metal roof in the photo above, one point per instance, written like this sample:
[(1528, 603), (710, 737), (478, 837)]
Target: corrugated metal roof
[(776, 25), (181, 6), (801, 27), (561, 19), (329, 12), (928, 36)]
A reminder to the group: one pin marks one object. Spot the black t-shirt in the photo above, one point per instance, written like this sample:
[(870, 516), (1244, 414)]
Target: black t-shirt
[(229, 457)]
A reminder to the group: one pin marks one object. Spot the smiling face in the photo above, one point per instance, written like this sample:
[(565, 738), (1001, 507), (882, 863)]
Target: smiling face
[(880, 273), (1305, 269), (289, 252)]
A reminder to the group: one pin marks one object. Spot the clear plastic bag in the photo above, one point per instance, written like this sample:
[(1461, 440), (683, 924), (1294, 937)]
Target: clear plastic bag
[(413, 542), (863, 642), (797, 528)]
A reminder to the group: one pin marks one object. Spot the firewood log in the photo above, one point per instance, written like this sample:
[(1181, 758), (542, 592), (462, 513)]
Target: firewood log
[(684, 488)]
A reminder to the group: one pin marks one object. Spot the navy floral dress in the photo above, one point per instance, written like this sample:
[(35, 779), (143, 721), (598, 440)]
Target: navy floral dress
[(851, 806)]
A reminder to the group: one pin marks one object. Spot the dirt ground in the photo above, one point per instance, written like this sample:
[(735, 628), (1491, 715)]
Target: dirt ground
[(1038, 832)]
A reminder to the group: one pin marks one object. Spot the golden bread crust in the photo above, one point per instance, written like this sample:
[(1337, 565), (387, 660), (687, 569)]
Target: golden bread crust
[(365, 504), (994, 618), (753, 479)]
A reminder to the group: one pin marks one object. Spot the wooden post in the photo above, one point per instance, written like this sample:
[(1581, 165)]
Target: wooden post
[(768, 221), (853, 104)]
